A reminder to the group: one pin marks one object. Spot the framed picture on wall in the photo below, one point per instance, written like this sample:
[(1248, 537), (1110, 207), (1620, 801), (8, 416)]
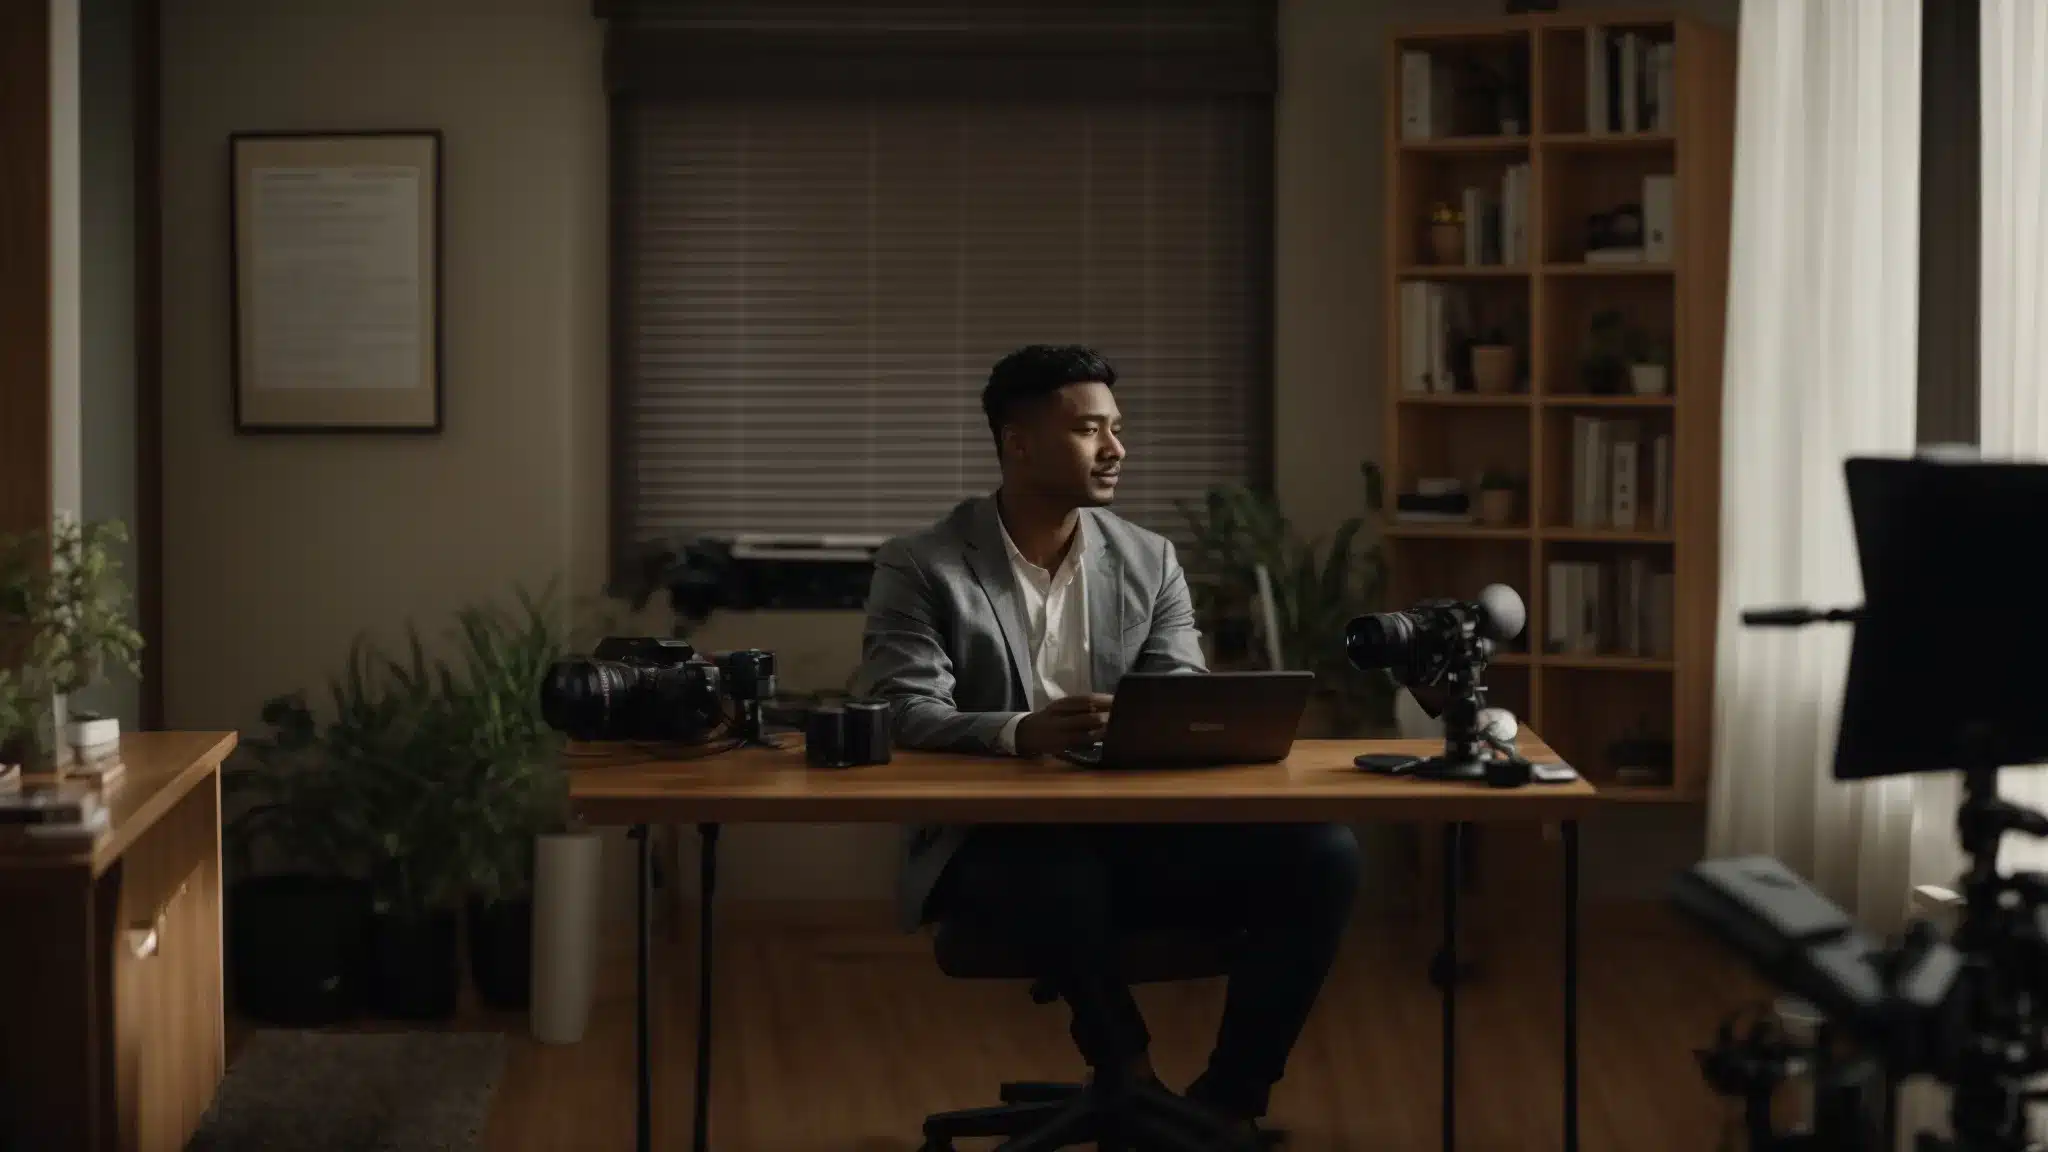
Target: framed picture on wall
[(335, 273)]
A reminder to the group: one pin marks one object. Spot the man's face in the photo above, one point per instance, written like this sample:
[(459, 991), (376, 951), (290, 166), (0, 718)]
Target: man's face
[(1069, 447)]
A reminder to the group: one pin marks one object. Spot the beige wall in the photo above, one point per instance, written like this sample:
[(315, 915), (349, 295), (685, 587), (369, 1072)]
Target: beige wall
[(279, 549), (107, 296)]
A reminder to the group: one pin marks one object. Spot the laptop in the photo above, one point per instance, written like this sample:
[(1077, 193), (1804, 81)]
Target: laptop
[(1204, 719)]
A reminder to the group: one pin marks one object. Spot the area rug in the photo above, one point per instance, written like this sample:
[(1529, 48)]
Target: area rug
[(359, 1091)]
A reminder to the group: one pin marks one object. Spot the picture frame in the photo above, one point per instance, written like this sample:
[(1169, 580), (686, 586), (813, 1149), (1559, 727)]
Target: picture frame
[(335, 281)]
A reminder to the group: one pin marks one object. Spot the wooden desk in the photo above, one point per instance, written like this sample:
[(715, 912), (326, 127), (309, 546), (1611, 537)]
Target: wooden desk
[(1318, 782), (113, 1042)]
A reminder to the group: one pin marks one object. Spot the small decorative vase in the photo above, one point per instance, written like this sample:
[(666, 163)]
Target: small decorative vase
[(1447, 243), (1497, 506), (1648, 379), (1493, 368), (567, 891)]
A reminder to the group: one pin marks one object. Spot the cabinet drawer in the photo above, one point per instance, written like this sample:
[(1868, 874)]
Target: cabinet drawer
[(167, 965)]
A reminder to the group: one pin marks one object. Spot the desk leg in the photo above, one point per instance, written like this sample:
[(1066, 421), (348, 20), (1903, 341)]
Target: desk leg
[(707, 884), (1453, 856), (643, 1120), (1571, 986)]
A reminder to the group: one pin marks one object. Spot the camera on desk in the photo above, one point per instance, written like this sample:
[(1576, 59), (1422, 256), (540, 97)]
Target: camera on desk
[(656, 690)]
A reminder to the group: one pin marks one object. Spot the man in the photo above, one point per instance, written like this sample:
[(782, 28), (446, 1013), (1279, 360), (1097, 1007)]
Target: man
[(1003, 629)]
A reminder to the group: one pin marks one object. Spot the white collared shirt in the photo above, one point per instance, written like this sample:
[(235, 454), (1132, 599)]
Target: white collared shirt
[(1056, 628)]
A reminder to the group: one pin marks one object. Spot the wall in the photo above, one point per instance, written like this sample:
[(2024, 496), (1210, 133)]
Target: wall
[(66, 473), (107, 296), (279, 549)]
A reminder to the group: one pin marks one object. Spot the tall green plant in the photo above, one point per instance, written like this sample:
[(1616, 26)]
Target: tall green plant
[(434, 775), (1318, 584), (516, 788), (65, 617)]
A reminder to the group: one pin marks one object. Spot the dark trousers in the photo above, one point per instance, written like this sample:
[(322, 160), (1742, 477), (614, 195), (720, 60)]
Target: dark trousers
[(1069, 891)]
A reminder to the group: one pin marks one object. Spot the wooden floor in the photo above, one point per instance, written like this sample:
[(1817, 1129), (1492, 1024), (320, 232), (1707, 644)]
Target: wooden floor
[(840, 1039)]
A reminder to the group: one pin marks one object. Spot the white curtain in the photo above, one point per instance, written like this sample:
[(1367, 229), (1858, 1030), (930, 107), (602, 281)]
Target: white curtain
[(1820, 366), (2013, 401)]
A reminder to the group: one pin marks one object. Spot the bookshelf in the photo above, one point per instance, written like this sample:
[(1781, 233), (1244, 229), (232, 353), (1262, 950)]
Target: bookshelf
[(1557, 209)]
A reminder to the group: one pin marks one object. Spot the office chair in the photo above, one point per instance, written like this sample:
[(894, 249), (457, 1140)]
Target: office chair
[(1113, 1116)]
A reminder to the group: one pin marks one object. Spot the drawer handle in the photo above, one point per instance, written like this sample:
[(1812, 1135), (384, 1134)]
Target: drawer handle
[(146, 939)]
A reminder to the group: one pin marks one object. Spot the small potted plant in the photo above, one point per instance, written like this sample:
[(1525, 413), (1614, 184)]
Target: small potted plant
[(1493, 363), (1649, 367), (87, 612), (1446, 234), (63, 598), (1499, 495)]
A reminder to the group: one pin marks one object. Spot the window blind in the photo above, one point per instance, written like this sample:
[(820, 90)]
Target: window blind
[(811, 290)]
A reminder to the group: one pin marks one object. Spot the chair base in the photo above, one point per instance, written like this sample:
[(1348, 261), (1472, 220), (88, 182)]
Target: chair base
[(1037, 1116)]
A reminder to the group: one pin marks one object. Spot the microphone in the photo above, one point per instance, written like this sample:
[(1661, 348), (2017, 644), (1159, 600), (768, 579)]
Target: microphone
[(1502, 613)]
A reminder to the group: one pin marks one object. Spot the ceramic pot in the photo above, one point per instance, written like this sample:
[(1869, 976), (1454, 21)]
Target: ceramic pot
[(1447, 243), (1497, 506), (1648, 379), (1493, 368)]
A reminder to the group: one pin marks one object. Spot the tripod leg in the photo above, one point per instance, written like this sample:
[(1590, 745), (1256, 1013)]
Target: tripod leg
[(707, 885), (643, 1119), (1453, 834), (1571, 986)]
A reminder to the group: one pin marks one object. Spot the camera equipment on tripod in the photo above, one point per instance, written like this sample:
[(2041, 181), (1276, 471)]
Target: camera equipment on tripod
[(1929, 689), (644, 688), (1445, 643), (749, 678)]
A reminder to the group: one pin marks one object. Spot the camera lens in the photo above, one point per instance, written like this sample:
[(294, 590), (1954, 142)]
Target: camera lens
[(578, 696), (1381, 640)]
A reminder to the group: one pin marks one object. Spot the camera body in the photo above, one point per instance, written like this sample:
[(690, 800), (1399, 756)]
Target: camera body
[(635, 688), (1417, 646), (1446, 643)]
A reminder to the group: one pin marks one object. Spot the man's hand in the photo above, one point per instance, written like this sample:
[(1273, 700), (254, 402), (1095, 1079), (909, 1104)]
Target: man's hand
[(1069, 722)]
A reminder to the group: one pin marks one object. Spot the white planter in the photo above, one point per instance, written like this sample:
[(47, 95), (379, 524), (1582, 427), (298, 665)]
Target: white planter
[(1649, 379), (92, 733), (566, 893)]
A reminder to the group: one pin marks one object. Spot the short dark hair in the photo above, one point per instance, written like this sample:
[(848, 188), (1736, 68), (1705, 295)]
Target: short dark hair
[(1032, 373)]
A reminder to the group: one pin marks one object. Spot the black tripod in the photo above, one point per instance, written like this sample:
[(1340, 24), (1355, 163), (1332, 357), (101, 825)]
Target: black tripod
[(2003, 988)]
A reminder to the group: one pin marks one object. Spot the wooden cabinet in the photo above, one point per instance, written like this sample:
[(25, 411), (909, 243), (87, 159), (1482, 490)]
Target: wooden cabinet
[(112, 958)]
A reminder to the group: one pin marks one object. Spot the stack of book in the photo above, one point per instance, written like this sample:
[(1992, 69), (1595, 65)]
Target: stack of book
[(1631, 84), (50, 816), (1618, 481), (1609, 608), (1435, 500)]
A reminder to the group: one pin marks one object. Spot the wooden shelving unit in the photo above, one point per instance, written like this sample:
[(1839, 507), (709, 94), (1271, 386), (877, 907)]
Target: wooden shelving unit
[(1520, 89)]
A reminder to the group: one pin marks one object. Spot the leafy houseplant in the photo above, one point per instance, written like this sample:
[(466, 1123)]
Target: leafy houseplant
[(424, 792), (517, 787), (63, 600), (1318, 585)]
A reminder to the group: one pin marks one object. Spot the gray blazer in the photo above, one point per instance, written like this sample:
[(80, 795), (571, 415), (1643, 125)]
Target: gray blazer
[(946, 642)]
